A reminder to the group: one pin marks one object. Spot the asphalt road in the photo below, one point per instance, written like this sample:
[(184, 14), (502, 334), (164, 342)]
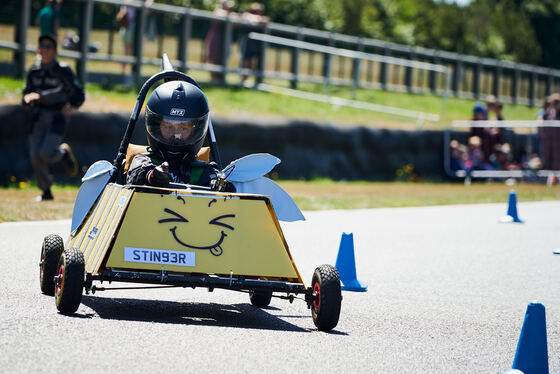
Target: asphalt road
[(448, 290)]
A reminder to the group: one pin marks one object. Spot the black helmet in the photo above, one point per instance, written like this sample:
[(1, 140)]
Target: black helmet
[(176, 120)]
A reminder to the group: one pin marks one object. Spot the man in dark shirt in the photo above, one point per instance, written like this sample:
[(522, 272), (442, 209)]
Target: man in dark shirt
[(51, 93)]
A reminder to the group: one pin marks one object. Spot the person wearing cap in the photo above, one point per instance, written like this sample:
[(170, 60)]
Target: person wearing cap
[(48, 18), (480, 113), (51, 93)]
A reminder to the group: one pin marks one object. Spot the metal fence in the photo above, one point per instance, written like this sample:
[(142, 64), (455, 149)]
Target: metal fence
[(473, 77), (360, 61)]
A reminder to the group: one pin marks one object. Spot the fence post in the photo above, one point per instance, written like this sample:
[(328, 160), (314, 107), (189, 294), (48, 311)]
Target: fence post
[(138, 45), (383, 74), (497, 78), (476, 80), (21, 38), (295, 61), (549, 83), (227, 48), (356, 62), (184, 37), (85, 29), (457, 75), (408, 71), (327, 60), (532, 88), (515, 85), (111, 39), (262, 58), (433, 76)]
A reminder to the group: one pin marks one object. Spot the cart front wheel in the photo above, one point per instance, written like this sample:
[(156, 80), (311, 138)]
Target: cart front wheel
[(69, 281), (50, 252), (327, 297), (260, 299)]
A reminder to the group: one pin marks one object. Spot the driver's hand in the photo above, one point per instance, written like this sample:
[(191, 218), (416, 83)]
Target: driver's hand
[(223, 185), (30, 97), (159, 176)]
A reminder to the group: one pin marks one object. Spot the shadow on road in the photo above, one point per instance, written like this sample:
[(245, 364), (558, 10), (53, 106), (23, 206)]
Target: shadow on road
[(210, 314)]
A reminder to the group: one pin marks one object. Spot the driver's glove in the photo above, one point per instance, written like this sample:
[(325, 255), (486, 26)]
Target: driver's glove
[(222, 185), (159, 176)]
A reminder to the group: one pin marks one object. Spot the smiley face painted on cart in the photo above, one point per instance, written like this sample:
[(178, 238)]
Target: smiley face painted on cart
[(212, 234), (200, 229)]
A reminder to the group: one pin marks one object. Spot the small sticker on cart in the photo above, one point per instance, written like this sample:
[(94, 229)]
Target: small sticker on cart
[(159, 256), (93, 233), (121, 201)]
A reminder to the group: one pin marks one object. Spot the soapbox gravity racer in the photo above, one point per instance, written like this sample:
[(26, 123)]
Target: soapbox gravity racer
[(184, 235)]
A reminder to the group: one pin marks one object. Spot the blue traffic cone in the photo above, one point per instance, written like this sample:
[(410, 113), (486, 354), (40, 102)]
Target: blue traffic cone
[(531, 356), (511, 215), (346, 265)]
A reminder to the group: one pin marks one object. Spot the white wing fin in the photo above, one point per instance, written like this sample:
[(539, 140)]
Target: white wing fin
[(93, 183), (250, 167), (284, 206)]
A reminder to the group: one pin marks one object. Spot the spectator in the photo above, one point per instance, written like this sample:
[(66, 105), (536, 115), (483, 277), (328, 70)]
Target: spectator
[(126, 18), (476, 158), (213, 42), (550, 136), (459, 155), (480, 113), (498, 110), (541, 114), (506, 134), (48, 19), (251, 49), (50, 94), (151, 20), (502, 158), (544, 109), (494, 106)]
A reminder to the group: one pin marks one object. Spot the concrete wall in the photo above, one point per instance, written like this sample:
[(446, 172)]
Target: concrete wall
[(306, 149)]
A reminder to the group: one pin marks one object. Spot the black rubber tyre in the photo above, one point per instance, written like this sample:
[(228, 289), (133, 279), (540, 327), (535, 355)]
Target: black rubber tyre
[(260, 299), (326, 307), (69, 281), (53, 245)]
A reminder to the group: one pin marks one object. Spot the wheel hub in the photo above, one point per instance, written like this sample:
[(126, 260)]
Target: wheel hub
[(59, 279), (41, 269), (316, 297)]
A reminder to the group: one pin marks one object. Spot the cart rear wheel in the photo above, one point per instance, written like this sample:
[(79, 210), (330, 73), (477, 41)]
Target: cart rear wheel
[(50, 252), (327, 297), (69, 281), (260, 299)]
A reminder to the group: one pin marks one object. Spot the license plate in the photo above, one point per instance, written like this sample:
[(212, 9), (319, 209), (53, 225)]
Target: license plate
[(159, 256)]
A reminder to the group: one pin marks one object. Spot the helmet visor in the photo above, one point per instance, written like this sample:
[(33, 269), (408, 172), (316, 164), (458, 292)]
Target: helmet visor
[(175, 131)]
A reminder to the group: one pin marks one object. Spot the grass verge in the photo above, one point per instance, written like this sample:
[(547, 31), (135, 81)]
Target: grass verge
[(18, 204)]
